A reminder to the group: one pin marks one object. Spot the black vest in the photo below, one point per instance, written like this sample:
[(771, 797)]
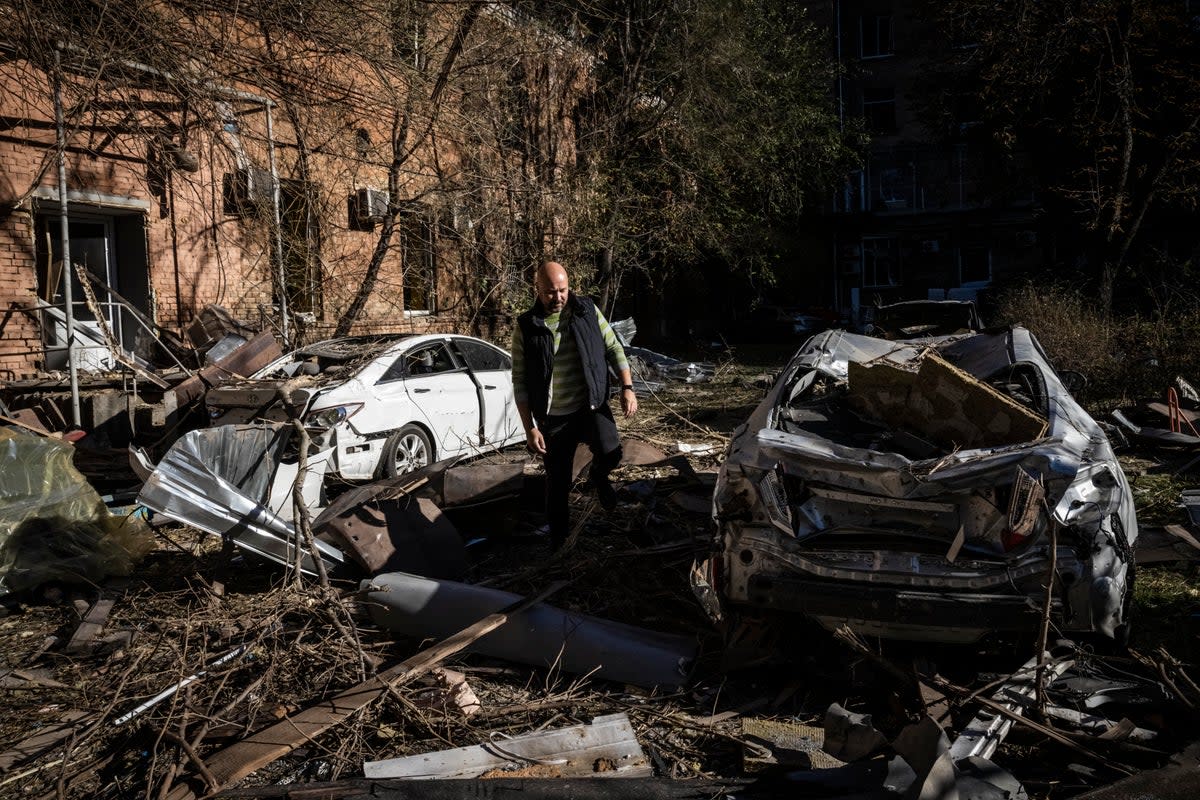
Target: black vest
[(538, 341)]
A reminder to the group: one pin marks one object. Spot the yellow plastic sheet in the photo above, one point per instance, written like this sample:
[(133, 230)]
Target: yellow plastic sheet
[(53, 524)]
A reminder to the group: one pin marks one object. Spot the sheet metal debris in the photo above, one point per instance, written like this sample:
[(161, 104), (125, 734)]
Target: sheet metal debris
[(983, 734), (607, 748), (547, 637), (236, 481)]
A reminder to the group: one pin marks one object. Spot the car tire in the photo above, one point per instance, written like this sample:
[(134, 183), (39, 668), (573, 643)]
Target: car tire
[(406, 450)]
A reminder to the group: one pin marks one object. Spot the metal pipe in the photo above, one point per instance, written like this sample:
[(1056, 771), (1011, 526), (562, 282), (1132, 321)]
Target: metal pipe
[(68, 293), (278, 219)]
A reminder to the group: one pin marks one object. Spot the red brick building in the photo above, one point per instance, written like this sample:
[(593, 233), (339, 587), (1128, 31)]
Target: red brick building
[(285, 167)]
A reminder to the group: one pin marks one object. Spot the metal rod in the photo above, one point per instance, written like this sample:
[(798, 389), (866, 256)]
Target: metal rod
[(66, 272), (283, 304)]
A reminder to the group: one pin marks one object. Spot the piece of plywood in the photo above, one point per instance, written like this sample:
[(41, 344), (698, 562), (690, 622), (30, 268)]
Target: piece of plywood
[(942, 403), (607, 748)]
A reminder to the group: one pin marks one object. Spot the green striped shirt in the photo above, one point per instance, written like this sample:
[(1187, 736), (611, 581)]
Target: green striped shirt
[(568, 388)]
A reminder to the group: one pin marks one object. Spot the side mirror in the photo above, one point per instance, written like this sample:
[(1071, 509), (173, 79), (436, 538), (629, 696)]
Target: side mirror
[(1075, 381)]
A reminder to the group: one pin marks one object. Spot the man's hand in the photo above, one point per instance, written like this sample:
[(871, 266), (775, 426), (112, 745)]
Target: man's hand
[(535, 442), (628, 402)]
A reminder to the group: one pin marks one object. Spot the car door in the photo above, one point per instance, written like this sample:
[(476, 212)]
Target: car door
[(492, 368), (440, 386)]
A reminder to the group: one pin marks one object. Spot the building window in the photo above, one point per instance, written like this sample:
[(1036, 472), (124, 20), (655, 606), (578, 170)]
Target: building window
[(879, 108), (419, 260), (875, 36), (881, 261), (974, 265), (111, 248), (409, 24), (301, 271), (896, 187)]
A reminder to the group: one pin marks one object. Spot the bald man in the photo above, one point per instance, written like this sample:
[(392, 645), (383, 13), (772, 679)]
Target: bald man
[(562, 349)]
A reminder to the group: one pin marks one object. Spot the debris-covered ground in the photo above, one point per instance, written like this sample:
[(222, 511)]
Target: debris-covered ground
[(210, 670)]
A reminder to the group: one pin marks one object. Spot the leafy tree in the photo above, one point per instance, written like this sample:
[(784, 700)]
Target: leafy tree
[(709, 126)]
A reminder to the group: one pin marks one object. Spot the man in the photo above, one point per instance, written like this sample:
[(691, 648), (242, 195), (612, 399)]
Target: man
[(562, 348)]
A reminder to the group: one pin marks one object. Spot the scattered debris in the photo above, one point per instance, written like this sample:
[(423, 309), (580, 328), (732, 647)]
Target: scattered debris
[(983, 734), (237, 481), (450, 692)]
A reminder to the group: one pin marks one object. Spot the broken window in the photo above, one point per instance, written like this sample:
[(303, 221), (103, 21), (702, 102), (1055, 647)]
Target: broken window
[(481, 358), (112, 247), (881, 261)]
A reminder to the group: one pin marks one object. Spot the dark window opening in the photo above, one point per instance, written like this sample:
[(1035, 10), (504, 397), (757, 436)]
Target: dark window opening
[(417, 241), (876, 36), (879, 109), (974, 264), (881, 261), (301, 272)]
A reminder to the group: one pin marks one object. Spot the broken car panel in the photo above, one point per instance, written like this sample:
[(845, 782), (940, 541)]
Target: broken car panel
[(384, 405), (907, 489)]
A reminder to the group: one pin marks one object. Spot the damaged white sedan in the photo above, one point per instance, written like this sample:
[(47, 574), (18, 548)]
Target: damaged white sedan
[(923, 490), (384, 405)]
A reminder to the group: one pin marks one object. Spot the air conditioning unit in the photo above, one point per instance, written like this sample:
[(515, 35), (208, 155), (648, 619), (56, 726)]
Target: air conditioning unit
[(1026, 238), (247, 190), (931, 246), (371, 205)]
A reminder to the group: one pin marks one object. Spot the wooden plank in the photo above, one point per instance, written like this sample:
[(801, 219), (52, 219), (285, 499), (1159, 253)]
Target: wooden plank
[(90, 627), (42, 741), (605, 748), (239, 760)]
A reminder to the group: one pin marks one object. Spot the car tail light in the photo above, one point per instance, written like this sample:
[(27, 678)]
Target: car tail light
[(1010, 540)]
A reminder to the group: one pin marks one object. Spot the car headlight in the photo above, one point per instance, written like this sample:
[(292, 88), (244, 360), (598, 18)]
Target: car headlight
[(325, 418)]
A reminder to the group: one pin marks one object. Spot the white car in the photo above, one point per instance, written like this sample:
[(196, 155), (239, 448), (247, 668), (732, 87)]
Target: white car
[(385, 405)]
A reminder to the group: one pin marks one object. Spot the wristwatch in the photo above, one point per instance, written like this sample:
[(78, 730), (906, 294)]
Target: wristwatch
[(628, 386)]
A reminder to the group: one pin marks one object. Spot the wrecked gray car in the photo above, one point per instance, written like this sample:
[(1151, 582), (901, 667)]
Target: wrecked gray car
[(913, 489)]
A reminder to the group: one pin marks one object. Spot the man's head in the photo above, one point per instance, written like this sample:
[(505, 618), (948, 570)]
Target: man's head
[(551, 286)]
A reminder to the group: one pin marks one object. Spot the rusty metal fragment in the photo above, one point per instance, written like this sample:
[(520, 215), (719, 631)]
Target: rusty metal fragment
[(407, 534)]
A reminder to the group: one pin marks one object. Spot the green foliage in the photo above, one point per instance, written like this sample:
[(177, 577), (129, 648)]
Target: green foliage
[(710, 126), (1124, 357)]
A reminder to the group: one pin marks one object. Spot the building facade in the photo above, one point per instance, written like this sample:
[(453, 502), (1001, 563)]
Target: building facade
[(930, 215), (312, 170)]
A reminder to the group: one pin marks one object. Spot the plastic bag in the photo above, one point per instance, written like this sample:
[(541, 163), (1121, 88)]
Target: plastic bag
[(53, 524)]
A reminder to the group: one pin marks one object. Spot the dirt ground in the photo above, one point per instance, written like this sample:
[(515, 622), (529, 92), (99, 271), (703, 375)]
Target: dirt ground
[(191, 602)]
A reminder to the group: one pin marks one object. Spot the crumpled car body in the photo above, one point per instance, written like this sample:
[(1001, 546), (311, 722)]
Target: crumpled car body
[(384, 405), (912, 490)]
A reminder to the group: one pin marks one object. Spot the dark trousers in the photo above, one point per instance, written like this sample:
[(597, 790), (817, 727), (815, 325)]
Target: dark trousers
[(563, 435)]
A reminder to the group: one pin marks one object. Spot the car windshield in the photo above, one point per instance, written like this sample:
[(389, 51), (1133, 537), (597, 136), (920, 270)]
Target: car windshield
[(330, 357)]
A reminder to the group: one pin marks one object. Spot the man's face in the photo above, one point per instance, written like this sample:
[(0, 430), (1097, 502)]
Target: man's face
[(552, 291)]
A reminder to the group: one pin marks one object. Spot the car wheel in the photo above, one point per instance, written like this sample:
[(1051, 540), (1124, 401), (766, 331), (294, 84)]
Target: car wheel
[(406, 450)]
